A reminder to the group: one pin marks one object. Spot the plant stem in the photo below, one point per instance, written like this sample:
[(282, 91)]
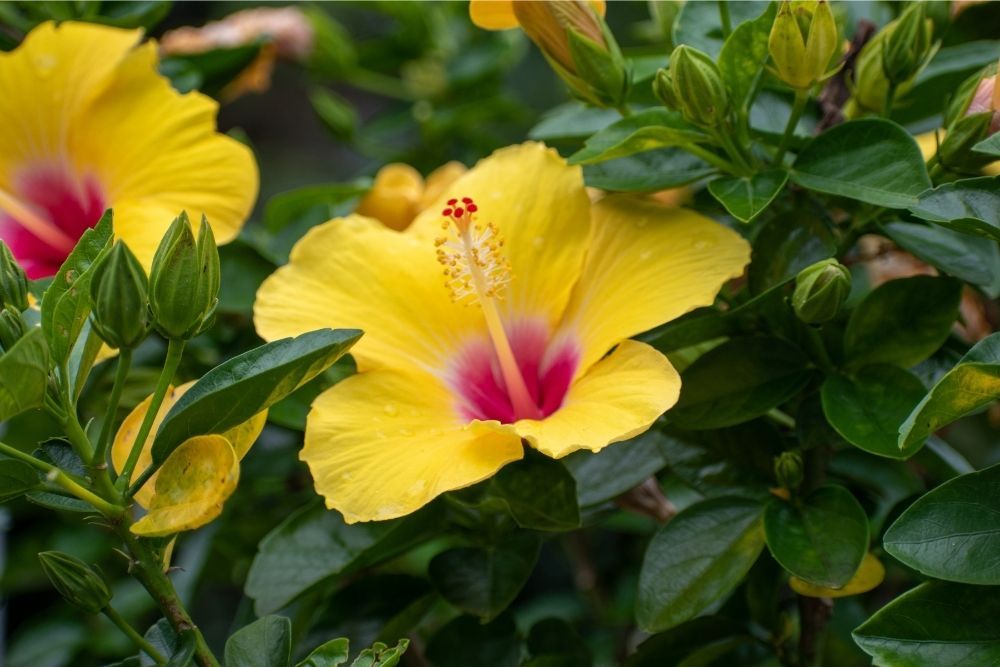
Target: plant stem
[(890, 97), (623, 110), (121, 375), (175, 349), (801, 97), (136, 638), (727, 24), (708, 156), (726, 139), (813, 616)]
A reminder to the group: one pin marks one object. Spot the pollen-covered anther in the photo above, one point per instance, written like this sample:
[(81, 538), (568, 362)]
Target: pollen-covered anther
[(474, 263)]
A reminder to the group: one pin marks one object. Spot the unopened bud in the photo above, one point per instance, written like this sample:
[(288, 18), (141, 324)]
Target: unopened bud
[(12, 328), (820, 291), (788, 470), (118, 290), (184, 281), (802, 43), (908, 46), (76, 581), (986, 99), (13, 281), (697, 86), (663, 88)]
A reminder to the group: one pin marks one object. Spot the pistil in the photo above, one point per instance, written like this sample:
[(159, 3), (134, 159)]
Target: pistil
[(34, 223)]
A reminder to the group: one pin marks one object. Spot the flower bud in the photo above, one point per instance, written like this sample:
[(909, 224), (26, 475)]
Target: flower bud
[(820, 291), (13, 281), (118, 290), (802, 43), (698, 87), (663, 88), (955, 152), (908, 46), (12, 327), (184, 281), (788, 470), (75, 581), (986, 99)]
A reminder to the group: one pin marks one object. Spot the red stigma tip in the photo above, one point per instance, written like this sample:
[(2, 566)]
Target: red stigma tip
[(446, 213), (467, 200), (452, 202), (459, 212), (472, 208)]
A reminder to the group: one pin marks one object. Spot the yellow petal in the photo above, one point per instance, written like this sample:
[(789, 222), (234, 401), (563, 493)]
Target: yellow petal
[(869, 575), (382, 444), (240, 437), (49, 82), (395, 196), (542, 211), (354, 272), (617, 399), (493, 14), (156, 152), (647, 265), (439, 180), (191, 487), (928, 142)]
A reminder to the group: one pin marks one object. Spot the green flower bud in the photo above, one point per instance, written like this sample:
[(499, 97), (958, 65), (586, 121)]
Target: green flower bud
[(698, 87), (955, 152), (663, 88), (802, 43), (13, 281), (909, 46), (788, 470), (12, 327), (820, 291), (75, 581), (184, 281), (118, 290)]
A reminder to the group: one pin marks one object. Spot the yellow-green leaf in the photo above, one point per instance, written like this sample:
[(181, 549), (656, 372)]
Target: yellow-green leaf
[(869, 575)]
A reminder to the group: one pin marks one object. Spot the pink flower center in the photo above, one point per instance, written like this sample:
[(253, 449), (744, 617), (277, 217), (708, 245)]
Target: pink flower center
[(45, 213), (547, 366)]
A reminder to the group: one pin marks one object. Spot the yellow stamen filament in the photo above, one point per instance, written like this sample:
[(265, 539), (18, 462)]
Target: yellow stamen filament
[(34, 223), (476, 272)]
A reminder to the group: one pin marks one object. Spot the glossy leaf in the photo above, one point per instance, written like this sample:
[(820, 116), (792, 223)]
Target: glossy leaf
[(902, 322), (742, 57), (331, 654), (647, 172), (540, 493), (787, 244), (266, 642), (24, 375), (746, 197), (644, 131), (238, 389), (16, 479), (605, 475), (700, 556), (970, 206), (466, 641), (868, 408), (820, 538), (572, 120), (972, 259), (870, 160)]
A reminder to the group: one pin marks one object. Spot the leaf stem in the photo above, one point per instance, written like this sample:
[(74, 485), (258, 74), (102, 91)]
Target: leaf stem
[(708, 156), (801, 97), (175, 349), (136, 638), (727, 24), (121, 375)]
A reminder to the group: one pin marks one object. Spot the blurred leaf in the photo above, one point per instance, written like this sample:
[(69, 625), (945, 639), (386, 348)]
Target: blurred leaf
[(465, 641), (66, 302), (24, 375), (572, 120), (741, 379), (871, 160), (970, 206), (605, 475), (699, 24), (16, 478), (902, 322), (972, 259), (820, 538), (746, 198), (540, 493), (245, 385), (869, 575), (697, 558), (59, 502), (332, 653), (178, 650), (645, 131), (209, 71), (936, 623), (881, 484), (484, 581), (266, 642), (989, 146), (380, 655), (743, 55), (972, 384), (868, 408), (558, 644), (953, 532), (647, 172), (336, 113), (787, 244), (243, 270), (684, 642)]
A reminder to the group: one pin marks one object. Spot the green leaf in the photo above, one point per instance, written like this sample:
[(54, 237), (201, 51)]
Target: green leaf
[(686, 644), (16, 478), (989, 146), (605, 475), (332, 653), (66, 302), (380, 655), (971, 206), (266, 642), (742, 57), (972, 384), (465, 641), (236, 390), (540, 493), (787, 244), (178, 650), (647, 172), (741, 379), (644, 131), (698, 23), (746, 198), (820, 538), (315, 544), (696, 559), (24, 375), (572, 120), (933, 625), (336, 113), (902, 322), (871, 160), (484, 581), (555, 642), (868, 408), (953, 532), (973, 259)]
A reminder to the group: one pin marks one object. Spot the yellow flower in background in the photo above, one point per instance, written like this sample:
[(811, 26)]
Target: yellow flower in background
[(524, 336), (400, 193), (503, 14), (86, 124)]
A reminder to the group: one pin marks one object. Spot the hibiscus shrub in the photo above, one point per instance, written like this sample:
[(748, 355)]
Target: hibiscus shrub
[(694, 367)]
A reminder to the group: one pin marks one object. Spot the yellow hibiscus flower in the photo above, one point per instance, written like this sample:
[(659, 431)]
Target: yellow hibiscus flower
[(87, 124), (400, 193), (524, 336)]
